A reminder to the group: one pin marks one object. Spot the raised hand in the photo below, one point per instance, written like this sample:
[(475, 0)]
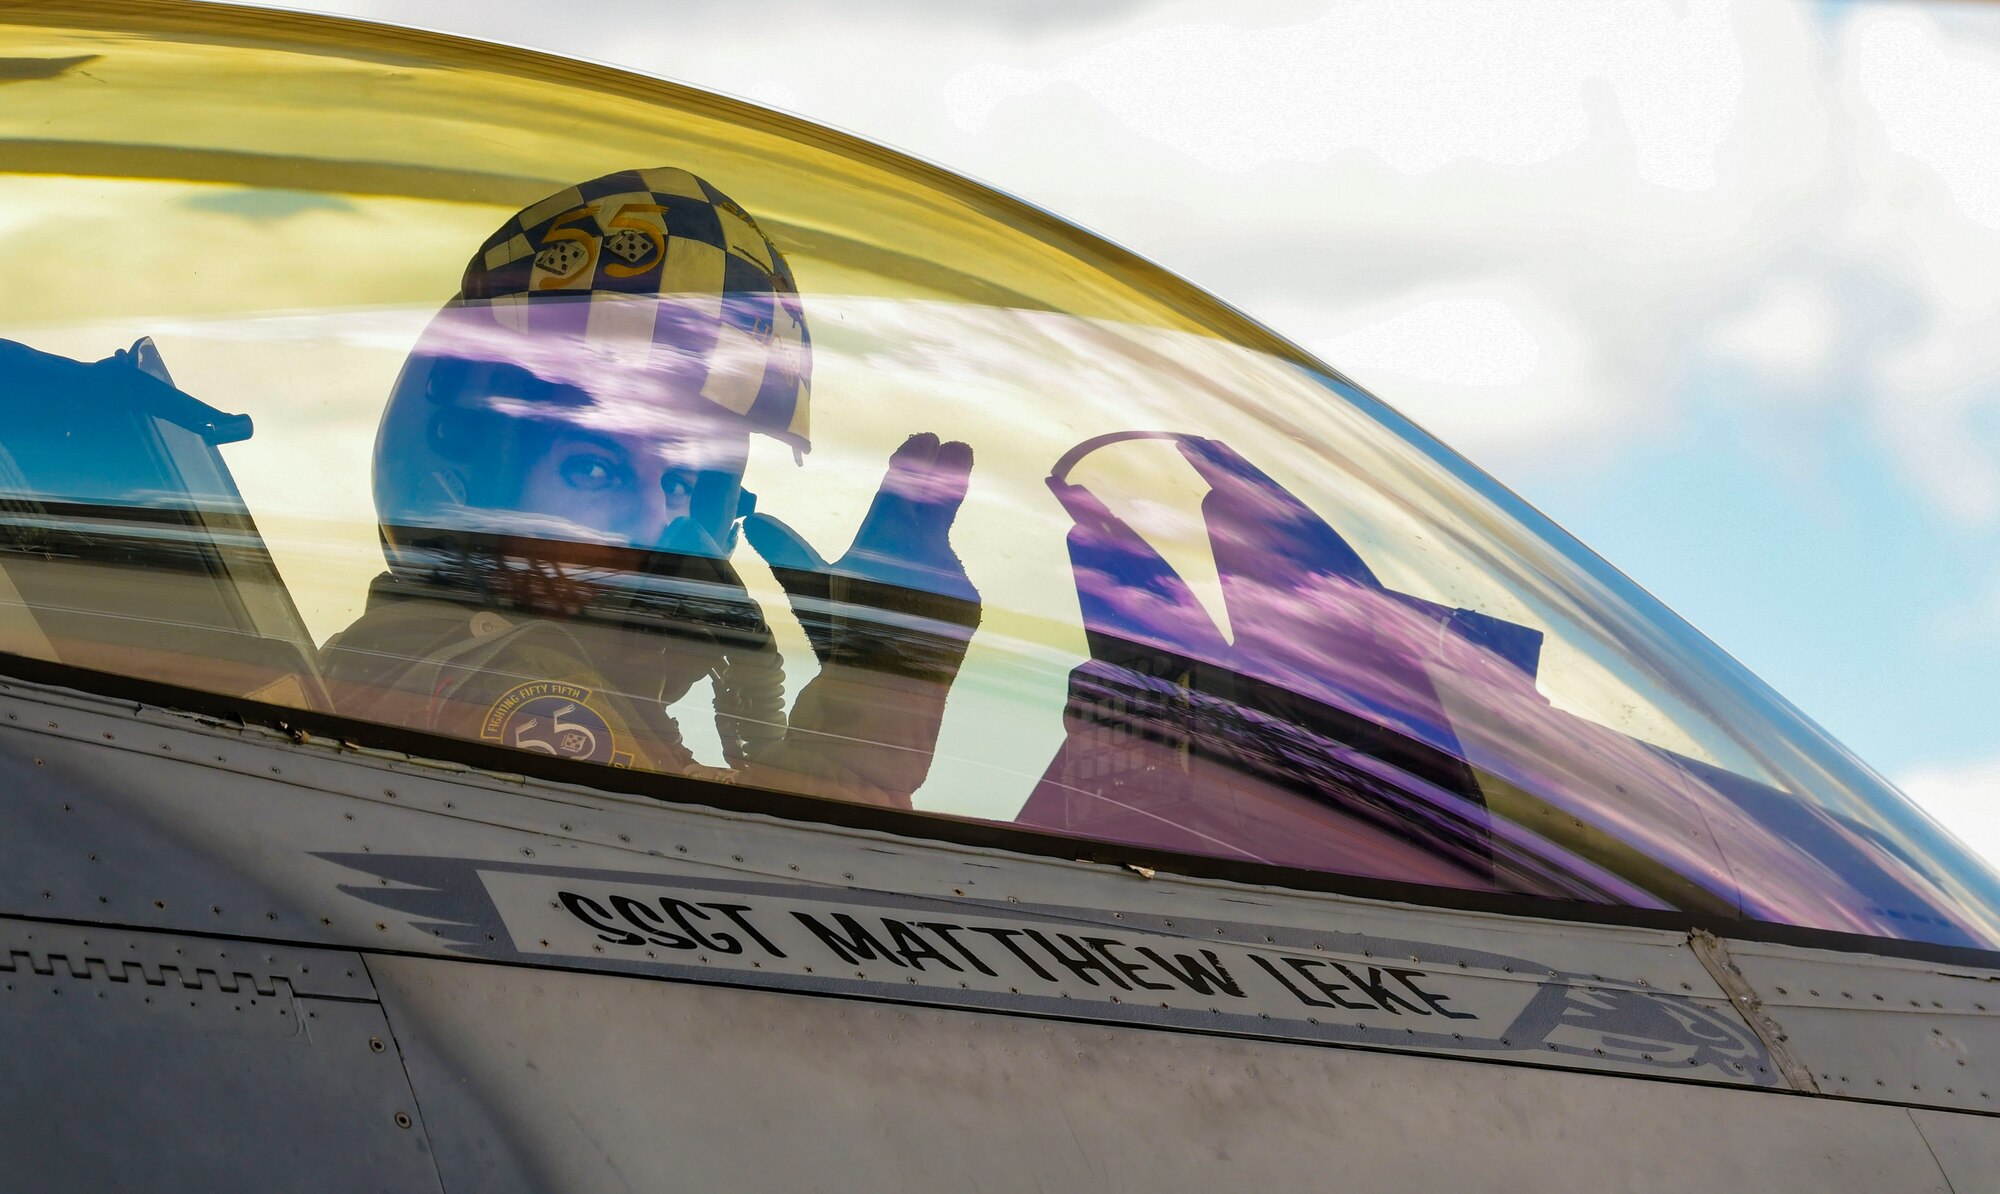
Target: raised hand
[(899, 594), (890, 621)]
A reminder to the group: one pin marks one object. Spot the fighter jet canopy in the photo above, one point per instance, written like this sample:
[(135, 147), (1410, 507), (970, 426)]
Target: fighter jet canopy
[(544, 417)]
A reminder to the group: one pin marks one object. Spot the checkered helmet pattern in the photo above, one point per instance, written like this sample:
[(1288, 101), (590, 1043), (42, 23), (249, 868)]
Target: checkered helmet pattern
[(661, 259)]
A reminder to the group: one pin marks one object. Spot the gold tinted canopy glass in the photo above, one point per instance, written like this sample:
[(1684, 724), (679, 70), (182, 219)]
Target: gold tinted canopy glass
[(1074, 546)]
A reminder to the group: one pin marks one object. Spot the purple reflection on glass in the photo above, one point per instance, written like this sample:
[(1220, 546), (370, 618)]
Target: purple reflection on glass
[(1314, 739), (1354, 729)]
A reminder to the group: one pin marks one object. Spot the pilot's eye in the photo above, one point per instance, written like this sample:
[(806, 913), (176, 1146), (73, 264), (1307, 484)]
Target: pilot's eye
[(677, 485), (591, 471)]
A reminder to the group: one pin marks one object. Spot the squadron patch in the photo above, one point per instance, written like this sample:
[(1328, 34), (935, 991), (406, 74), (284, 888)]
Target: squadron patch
[(553, 718)]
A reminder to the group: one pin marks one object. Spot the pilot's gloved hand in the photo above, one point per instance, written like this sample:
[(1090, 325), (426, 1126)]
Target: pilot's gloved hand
[(898, 600)]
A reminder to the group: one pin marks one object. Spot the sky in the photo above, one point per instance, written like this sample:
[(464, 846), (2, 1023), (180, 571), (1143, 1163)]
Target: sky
[(1714, 285)]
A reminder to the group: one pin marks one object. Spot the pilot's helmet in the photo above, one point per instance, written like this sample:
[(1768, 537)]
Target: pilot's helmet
[(597, 377)]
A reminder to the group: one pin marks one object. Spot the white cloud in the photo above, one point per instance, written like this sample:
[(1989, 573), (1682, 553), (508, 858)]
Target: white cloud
[(1788, 331), (1927, 213), (1486, 366), (1477, 343), (1563, 215), (1507, 84), (1965, 799), (775, 93), (1937, 98)]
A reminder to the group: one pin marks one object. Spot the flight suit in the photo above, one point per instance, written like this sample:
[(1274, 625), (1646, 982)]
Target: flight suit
[(595, 690)]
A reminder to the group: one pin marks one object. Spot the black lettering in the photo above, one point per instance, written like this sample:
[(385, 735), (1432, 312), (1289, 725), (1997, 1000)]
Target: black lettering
[(1193, 976), (1435, 1000), (1286, 983), (945, 931), (1006, 938), (1375, 989), (1104, 945), (649, 922), (856, 945), (914, 948), (1081, 963), (735, 913), (1304, 968), (598, 917), (721, 943)]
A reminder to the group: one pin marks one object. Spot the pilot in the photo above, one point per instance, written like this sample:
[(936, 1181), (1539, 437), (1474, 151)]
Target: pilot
[(559, 481)]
